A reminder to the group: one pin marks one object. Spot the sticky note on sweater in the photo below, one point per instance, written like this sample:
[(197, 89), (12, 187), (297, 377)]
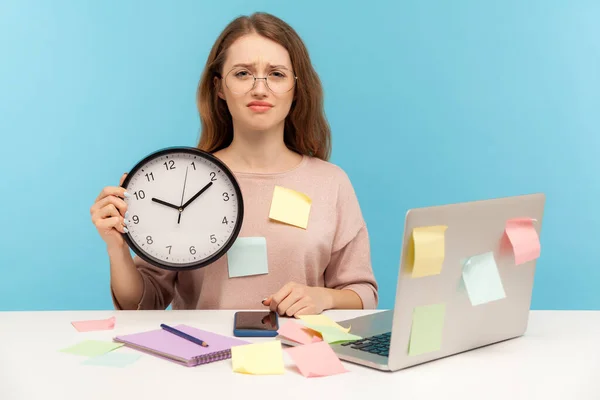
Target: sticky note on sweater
[(248, 256), (290, 207)]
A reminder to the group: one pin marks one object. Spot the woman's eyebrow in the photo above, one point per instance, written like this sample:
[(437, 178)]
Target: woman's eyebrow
[(246, 65)]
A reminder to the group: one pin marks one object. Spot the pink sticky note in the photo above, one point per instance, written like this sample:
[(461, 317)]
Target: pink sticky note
[(298, 333), (94, 325), (524, 239), (316, 360)]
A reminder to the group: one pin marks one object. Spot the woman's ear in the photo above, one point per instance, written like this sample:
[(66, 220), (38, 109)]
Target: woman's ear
[(217, 83)]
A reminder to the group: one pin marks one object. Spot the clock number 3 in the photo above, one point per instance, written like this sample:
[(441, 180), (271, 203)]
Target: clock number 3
[(226, 196)]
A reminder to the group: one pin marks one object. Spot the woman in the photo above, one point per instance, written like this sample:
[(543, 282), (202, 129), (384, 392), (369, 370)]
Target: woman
[(261, 108)]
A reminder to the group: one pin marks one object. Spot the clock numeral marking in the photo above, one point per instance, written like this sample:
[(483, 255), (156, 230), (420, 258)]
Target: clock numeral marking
[(150, 175), (139, 195), (213, 239), (213, 177), (192, 250), (169, 247), (169, 164), (225, 221), (226, 196), (194, 165), (136, 219), (149, 240)]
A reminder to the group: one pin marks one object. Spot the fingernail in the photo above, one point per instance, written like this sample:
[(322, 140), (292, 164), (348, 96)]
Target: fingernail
[(263, 300), (127, 222), (126, 214), (126, 194), (125, 230)]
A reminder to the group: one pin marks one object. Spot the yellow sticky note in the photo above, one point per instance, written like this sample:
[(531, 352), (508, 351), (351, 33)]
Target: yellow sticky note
[(322, 320), (290, 207), (429, 250), (258, 358)]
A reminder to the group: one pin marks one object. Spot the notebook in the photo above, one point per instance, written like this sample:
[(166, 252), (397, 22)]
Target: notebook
[(166, 345)]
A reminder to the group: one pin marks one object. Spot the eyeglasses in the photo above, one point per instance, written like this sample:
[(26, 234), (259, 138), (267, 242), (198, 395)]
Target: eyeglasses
[(241, 81)]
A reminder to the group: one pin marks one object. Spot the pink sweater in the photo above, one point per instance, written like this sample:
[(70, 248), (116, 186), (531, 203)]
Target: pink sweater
[(332, 252)]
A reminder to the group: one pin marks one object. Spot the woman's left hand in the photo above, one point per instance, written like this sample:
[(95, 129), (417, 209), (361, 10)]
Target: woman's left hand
[(295, 299)]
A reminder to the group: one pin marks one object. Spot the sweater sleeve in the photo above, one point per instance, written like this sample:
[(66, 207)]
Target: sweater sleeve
[(350, 263), (159, 286)]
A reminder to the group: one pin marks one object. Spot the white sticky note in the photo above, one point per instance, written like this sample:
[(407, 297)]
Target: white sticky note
[(482, 280), (248, 256)]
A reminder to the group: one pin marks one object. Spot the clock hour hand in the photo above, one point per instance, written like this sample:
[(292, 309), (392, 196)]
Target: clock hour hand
[(164, 203), (194, 197)]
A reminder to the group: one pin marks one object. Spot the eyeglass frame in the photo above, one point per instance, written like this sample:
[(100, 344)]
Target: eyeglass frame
[(254, 83)]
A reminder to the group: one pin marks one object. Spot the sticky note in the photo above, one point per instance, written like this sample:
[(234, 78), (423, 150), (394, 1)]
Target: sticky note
[(316, 360), (331, 334), (427, 328), (290, 207), (248, 256), (429, 250), (112, 359), (524, 239), (298, 333), (94, 325), (92, 348), (482, 280), (258, 358), (322, 320)]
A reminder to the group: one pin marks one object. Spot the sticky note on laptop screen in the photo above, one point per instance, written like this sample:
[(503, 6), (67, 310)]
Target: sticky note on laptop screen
[(524, 239), (426, 329), (482, 280), (290, 207), (428, 250)]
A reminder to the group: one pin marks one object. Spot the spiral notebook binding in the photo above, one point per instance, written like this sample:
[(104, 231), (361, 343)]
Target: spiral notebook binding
[(208, 358)]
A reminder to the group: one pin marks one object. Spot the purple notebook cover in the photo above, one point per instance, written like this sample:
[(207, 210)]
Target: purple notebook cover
[(170, 345)]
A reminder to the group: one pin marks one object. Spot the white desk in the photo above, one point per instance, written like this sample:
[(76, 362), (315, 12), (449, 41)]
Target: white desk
[(558, 358)]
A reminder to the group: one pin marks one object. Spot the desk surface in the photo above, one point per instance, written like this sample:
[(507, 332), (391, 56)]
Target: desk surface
[(558, 358)]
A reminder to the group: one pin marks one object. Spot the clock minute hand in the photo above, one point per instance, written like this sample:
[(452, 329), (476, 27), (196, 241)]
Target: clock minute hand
[(164, 203), (187, 203)]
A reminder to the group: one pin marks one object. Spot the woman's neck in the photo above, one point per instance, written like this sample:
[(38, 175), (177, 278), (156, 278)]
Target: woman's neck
[(259, 152)]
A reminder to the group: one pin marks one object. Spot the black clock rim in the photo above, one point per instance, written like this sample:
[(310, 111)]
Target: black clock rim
[(238, 223)]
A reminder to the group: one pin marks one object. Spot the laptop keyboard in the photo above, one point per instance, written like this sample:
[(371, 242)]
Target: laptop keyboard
[(378, 344)]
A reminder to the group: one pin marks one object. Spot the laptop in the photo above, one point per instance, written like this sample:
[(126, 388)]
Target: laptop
[(473, 228)]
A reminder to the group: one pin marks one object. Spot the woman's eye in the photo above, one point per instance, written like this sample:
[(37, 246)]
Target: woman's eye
[(241, 74), (278, 74)]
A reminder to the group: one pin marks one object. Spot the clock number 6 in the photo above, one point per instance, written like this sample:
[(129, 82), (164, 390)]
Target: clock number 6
[(192, 250)]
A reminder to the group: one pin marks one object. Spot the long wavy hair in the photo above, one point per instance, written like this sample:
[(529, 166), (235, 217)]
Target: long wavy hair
[(306, 128)]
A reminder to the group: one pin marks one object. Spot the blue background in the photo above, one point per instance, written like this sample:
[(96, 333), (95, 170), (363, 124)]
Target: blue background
[(429, 102)]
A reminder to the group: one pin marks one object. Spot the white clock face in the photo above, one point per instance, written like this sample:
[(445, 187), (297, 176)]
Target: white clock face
[(184, 208)]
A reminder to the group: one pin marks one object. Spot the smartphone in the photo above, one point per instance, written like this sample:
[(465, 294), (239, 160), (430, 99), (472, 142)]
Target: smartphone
[(255, 323)]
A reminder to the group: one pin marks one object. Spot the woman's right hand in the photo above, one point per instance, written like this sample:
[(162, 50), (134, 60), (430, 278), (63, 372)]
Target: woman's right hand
[(109, 214)]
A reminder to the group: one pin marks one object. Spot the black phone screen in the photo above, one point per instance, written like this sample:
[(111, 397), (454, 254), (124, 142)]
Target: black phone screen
[(256, 320)]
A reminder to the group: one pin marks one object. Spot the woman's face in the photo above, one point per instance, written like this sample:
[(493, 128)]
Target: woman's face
[(253, 106)]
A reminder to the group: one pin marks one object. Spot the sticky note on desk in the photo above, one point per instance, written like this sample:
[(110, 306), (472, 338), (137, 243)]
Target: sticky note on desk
[(524, 239), (322, 320), (248, 256), (94, 325), (427, 329), (112, 359), (298, 333), (290, 207), (92, 348), (331, 334), (316, 360), (258, 358), (482, 280), (429, 250)]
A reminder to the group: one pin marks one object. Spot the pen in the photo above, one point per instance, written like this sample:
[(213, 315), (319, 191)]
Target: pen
[(184, 335)]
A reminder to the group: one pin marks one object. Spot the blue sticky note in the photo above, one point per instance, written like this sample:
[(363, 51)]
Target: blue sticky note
[(248, 256), (482, 280)]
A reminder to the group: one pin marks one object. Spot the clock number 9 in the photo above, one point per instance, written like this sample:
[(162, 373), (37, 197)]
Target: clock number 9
[(136, 219)]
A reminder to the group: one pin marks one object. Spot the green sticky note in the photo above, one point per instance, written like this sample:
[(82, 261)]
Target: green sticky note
[(482, 280), (248, 256), (112, 359), (427, 328), (331, 334), (91, 348)]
